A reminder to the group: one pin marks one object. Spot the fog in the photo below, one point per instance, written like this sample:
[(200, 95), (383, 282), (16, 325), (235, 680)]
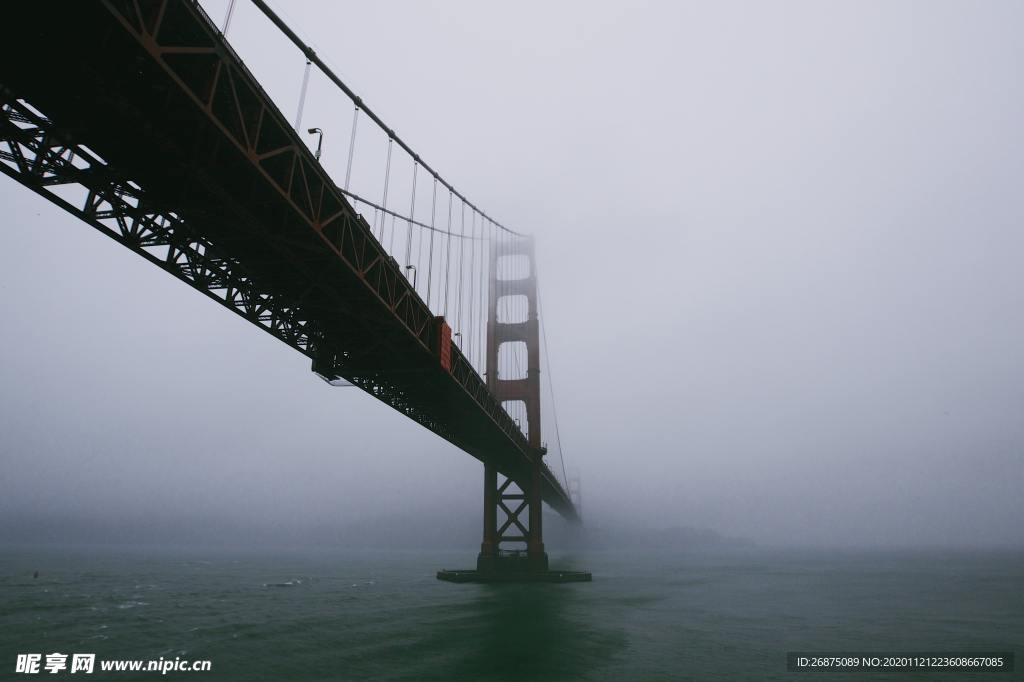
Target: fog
[(779, 252)]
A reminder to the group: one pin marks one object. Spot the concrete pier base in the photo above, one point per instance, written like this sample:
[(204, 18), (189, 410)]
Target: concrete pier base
[(472, 576), (513, 567)]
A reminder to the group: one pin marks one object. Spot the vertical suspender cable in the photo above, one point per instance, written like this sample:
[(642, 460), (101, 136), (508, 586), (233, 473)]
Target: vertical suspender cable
[(500, 303), (419, 249), (462, 261), (476, 285), (472, 286), (384, 202), (391, 241), (491, 246), (506, 288), (351, 146), (430, 255), (227, 17), (525, 365), (412, 216), (483, 292), (519, 370), (481, 334), (448, 256), (306, 50), (482, 304), (302, 95), (551, 387)]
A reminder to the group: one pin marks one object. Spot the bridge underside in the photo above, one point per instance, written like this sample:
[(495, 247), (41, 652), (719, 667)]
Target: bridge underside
[(138, 118)]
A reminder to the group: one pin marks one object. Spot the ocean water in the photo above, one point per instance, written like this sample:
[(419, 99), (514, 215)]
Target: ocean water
[(324, 615)]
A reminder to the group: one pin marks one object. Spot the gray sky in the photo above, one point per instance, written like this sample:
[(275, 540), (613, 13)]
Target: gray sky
[(779, 250)]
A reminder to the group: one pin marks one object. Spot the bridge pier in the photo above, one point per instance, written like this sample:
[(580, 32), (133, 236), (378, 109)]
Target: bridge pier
[(512, 501), (215, 186), (537, 557), (489, 547), (514, 550)]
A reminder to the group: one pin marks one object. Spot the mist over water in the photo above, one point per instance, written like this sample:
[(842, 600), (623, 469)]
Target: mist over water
[(779, 254)]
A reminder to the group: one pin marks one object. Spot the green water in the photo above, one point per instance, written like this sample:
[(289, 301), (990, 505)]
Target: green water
[(298, 615)]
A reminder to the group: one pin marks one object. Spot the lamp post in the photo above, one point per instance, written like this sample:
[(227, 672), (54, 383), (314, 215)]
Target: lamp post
[(320, 142)]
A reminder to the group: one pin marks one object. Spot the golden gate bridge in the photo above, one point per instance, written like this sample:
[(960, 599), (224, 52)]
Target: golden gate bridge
[(139, 118)]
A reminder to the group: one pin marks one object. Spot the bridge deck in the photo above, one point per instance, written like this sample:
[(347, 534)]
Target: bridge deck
[(182, 157)]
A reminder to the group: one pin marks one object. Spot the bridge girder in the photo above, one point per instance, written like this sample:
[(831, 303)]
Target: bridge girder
[(143, 123)]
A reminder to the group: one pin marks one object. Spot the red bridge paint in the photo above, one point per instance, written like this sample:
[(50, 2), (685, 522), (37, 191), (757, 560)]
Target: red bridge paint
[(444, 343)]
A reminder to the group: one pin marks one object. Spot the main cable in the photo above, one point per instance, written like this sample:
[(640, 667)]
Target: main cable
[(551, 384), (311, 56)]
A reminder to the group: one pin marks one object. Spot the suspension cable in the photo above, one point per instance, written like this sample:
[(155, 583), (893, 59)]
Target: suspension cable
[(377, 207), (311, 56), (551, 386)]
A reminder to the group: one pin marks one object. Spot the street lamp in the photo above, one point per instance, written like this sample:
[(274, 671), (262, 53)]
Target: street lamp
[(320, 142)]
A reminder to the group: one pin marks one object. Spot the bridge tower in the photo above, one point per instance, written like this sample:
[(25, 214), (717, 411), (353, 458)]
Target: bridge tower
[(506, 500)]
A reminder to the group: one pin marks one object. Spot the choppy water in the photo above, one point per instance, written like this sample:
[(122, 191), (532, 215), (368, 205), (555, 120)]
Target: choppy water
[(382, 615)]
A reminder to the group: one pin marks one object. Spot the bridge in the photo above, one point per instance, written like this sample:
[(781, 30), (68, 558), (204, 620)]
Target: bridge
[(139, 118)]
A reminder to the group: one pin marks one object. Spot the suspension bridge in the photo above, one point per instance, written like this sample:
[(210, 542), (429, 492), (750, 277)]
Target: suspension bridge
[(139, 118)]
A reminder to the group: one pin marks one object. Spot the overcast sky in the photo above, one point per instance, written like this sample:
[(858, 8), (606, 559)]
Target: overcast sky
[(779, 247)]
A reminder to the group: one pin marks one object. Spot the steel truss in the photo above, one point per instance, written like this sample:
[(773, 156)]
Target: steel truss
[(225, 196)]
